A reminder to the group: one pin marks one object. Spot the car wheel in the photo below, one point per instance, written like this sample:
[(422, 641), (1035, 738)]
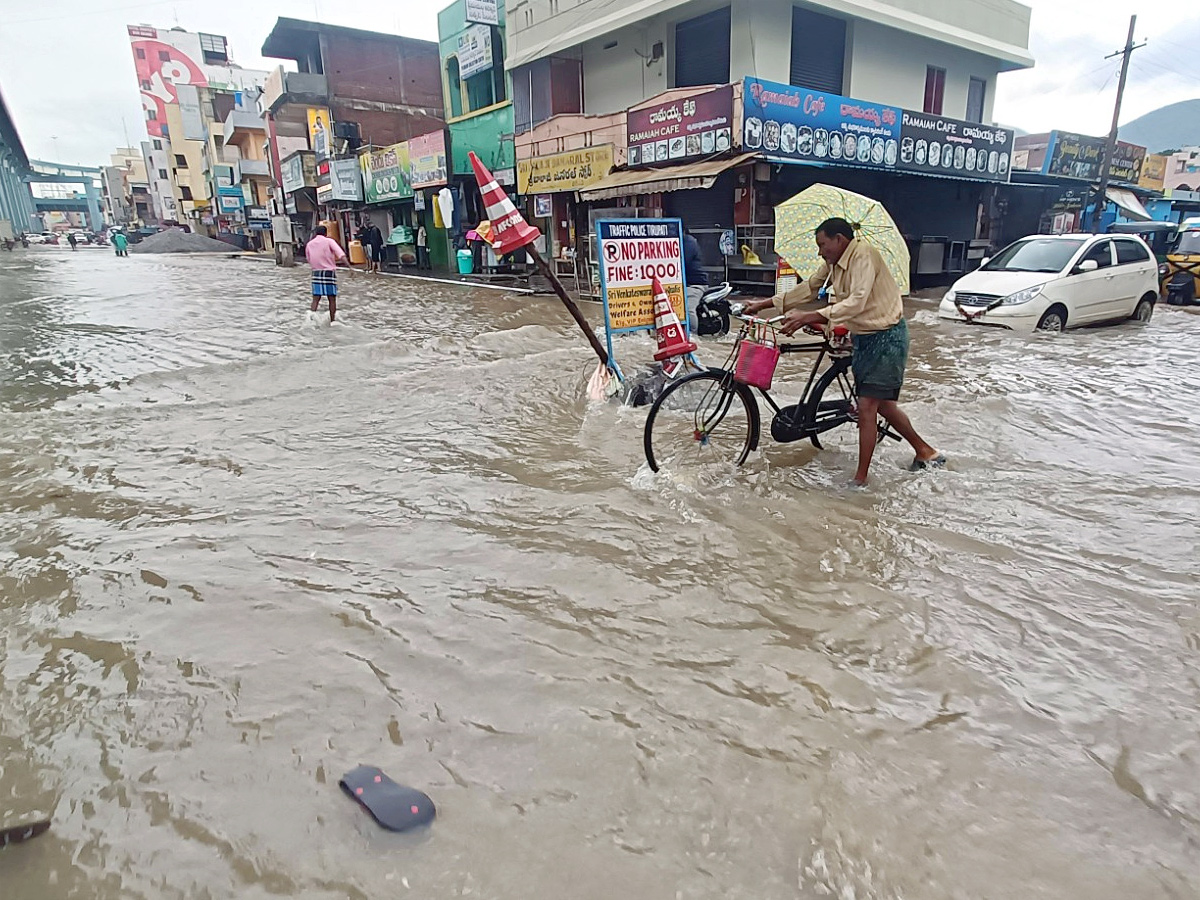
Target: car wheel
[(1144, 310), (1053, 319)]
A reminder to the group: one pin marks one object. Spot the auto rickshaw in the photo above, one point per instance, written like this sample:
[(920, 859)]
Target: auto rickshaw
[(1182, 284)]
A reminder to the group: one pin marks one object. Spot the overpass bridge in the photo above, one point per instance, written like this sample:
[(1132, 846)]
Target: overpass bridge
[(89, 177)]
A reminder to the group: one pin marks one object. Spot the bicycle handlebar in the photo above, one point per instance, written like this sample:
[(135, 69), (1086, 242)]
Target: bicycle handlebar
[(735, 312)]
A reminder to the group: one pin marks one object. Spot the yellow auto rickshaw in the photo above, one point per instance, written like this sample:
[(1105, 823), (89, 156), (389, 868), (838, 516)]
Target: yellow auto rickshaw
[(1183, 265)]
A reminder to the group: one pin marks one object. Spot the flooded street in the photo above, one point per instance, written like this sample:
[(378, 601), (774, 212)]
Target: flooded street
[(243, 554)]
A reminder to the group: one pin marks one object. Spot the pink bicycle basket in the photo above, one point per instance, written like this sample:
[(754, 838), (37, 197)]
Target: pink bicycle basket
[(755, 364)]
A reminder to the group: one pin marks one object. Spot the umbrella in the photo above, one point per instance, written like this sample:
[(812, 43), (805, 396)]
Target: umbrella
[(796, 221)]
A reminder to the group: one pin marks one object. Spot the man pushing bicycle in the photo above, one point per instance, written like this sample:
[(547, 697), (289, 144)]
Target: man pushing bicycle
[(859, 292)]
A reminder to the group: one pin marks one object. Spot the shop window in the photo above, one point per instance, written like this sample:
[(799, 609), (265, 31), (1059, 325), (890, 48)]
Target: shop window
[(935, 88), (454, 87), (976, 94), (818, 51), (702, 49)]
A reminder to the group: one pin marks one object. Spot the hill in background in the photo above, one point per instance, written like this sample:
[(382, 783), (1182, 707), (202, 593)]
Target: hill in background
[(1168, 128)]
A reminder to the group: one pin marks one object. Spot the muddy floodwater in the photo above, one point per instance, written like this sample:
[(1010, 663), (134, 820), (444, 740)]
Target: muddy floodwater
[(241, 553)]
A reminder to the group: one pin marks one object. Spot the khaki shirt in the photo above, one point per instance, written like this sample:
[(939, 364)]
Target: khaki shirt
[(863, 294)]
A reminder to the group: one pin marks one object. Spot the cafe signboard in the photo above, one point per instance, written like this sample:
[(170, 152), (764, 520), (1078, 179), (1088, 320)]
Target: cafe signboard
[(936, 145), (681, 129)]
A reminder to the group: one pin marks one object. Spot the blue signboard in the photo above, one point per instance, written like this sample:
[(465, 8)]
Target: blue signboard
[(795, 123), (632, 253)]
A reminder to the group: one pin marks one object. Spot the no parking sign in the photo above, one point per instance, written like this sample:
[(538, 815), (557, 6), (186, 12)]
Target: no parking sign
[(633, 252)]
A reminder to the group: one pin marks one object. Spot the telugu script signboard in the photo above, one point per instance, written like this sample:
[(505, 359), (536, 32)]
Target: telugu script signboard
[(570, 171), (483, 11), (786, 122), (632, 253), (681, 129), (385, 174), (940, 146)]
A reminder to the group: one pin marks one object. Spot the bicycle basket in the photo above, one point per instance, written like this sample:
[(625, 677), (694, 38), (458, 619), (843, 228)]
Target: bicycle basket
[(756, 361)]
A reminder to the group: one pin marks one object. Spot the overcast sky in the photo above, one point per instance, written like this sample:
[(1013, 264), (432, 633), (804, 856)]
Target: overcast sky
[(66, 67)]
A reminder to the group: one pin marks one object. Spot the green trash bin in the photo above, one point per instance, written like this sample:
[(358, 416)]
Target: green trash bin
[(464, 262)]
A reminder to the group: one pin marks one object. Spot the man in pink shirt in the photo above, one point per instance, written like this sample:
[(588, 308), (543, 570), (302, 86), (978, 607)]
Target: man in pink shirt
[(324, 256)]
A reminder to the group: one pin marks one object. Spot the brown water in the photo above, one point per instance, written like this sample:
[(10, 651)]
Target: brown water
[(241, 554)]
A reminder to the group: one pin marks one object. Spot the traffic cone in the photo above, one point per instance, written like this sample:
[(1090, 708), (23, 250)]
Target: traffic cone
[(667, 330), (510, 231)]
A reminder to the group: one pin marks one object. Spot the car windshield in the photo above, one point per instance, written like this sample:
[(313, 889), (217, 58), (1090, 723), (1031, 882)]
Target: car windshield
[(1034, 255), (1189, 242)]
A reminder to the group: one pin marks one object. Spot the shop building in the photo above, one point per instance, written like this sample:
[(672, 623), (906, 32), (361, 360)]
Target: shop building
[(124, 188), (353, 89), (851, 58), (477, 95)]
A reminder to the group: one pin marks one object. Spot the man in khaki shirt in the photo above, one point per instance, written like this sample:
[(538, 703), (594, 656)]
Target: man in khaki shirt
[(856, 290)]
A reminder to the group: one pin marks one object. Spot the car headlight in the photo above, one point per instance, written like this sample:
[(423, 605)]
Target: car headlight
[(1023, 296), (949, 298)]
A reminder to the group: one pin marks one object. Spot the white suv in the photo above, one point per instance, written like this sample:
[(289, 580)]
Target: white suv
[(1053, 282)]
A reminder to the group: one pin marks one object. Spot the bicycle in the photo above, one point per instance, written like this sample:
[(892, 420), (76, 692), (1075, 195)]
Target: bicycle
[(690, 422)]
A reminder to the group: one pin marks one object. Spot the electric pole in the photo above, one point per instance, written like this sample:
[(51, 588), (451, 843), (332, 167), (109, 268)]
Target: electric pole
[(1110, 148)]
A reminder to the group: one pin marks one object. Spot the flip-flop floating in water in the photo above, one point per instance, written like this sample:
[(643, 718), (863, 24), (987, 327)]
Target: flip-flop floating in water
[(392, 805), (19, 833)]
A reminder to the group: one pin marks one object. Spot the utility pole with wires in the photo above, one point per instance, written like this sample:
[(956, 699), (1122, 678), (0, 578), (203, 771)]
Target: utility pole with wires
[(1110, 148)]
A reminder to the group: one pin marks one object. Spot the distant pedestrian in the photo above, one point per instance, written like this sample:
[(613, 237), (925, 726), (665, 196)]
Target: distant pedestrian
[(324, 256), (422, 248), (71, 239), (696, 278), (120, 243), (373, 245)]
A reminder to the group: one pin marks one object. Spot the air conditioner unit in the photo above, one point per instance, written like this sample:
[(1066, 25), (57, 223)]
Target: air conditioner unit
[(347, 130)]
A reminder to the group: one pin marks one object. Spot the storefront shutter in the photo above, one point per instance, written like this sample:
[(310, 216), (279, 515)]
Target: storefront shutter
[(702, 49), (818, 51)]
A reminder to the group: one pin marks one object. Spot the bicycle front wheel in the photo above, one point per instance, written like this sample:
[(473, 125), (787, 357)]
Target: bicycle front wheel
[(702, 422)]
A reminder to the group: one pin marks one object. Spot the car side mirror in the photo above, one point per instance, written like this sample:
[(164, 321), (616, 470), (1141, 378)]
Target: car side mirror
[(983, 262), (1088, 265)]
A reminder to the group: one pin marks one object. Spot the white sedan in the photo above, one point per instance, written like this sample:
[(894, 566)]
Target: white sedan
[(1054, 282)]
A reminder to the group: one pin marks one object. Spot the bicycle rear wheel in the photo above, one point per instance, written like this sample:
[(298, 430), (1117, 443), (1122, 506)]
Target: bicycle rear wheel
[(705, 421)]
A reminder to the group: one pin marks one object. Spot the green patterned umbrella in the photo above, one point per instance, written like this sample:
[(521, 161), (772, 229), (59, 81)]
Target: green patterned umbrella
[(796, 221)]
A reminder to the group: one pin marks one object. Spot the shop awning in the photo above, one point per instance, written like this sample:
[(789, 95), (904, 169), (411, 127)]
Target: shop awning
[(1129, 204), (687, 177)]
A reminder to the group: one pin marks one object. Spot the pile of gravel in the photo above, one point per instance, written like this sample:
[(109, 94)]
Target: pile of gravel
[(176, 241)]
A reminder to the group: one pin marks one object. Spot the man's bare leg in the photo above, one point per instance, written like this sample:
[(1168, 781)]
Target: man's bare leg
[(898, 419), (332, 309), (868, 436), (316, 304)]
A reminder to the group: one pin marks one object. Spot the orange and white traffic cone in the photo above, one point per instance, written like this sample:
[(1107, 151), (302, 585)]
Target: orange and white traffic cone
[(667, 330), (510, 231)]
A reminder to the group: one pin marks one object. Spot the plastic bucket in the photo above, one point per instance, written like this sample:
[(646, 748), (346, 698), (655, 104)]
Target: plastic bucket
[(464, 262)]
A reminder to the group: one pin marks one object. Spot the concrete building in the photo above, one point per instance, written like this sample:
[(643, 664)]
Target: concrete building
[(478, 99), (126, 188), (16, 199), (584, 70), (189, 84), (353, 90)]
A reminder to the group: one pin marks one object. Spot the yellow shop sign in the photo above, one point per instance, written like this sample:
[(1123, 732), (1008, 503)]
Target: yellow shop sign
[(570, 171)]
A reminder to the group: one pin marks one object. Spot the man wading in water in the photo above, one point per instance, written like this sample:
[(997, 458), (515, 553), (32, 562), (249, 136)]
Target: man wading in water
[(865, 299), (324, 256)]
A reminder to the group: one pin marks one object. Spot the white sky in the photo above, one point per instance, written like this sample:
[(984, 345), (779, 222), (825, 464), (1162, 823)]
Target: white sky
[(66, 68)]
